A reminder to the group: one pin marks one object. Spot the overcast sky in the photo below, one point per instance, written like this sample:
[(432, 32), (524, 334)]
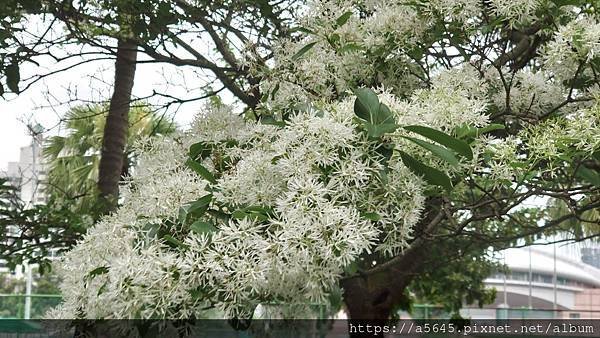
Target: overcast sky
[(42, 102)]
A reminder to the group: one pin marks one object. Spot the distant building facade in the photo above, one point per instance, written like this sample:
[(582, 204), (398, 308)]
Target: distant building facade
[(29, 173), (591, 256), (540, 286)]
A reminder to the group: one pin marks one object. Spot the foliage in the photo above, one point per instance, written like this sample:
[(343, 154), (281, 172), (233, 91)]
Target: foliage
[(12, 13), (240, 34), (34, 234), (73, 159)]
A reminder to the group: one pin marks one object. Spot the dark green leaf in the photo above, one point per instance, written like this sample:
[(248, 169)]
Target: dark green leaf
[(373, 216), (98, 271), (201, 227), (201, 170), (303, 51), (174, 241), (196, 208), (102, 289), (342, 19), (367, 104), (459, 146), (274, 91), (589, 175), (349, 47), (378, 130), (560, 3), (438, 151), (13, 76), (257, 213), (270, 120), (431, 175), (199, 150), (256, 208), (471, 132), (377, 119), (351, 269), (303, 30), (239, 214)]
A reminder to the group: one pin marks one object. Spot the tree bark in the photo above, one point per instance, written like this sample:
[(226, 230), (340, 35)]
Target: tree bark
[(372, 295), (117, 124), (370, 298)]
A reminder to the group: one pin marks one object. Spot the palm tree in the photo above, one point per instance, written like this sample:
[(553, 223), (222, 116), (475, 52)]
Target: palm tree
[(74, 159)]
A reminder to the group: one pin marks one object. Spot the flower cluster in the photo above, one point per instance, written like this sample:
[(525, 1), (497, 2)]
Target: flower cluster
[(301, 203)]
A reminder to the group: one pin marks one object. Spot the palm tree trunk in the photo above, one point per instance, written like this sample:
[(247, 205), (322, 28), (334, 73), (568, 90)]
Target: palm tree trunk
[(117, 124)]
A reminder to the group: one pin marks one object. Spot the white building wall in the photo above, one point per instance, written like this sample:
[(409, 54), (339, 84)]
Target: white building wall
[(565, 295)]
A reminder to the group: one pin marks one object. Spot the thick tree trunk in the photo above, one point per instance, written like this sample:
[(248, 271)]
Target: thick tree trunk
[(372, 295), (117, 124), (368, 306), (370, 300)]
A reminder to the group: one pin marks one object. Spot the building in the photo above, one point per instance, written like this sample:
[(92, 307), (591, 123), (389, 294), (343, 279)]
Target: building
[(539, 284), (29, 173), (28, 176), (591, 256)]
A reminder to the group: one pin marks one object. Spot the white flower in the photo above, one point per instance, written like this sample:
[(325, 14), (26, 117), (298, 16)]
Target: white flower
[(522, 11)]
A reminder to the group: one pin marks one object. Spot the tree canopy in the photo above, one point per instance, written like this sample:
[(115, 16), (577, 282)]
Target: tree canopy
[(389, 135)]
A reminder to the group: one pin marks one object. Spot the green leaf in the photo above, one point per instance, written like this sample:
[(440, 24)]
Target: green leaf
[(197, 293), (351, 269), (257, 213), (367, 103), (239, 214), (560, 3), (377, 119), (201, 227), (303, 51), (378, 130), (342, 19), (201, 170), (384, 115), (438, 151), (199, 150), (373, 216), (303, 30), (102, 288), (333, 40), (274, 91), (589, 175), (459, 146), (349, 47), (98, 271), (196, 208), (270, 120), (466, 131), (431, 175), (174, 241), (256, 208), (13, 76)]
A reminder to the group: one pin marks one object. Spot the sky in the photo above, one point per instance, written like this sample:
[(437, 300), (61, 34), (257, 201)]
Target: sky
[(91, 81), (46, 101)]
